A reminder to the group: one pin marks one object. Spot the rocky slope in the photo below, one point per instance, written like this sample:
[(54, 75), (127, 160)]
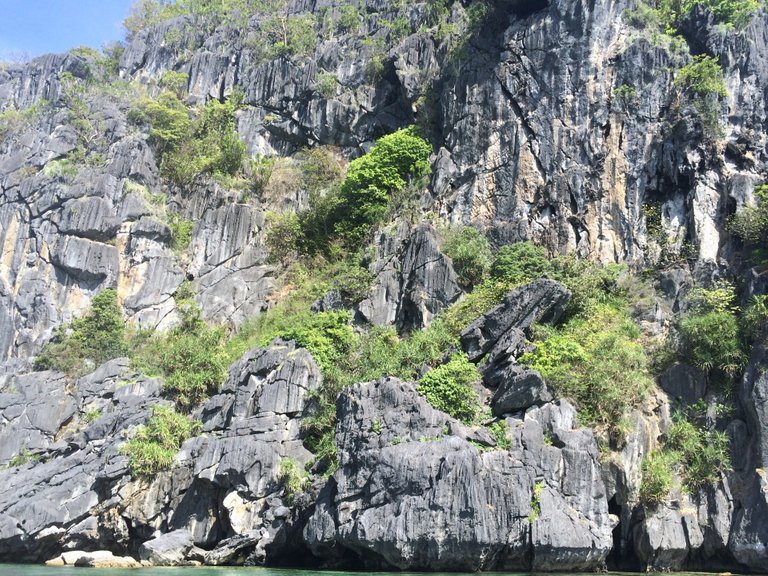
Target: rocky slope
[(533, 138)]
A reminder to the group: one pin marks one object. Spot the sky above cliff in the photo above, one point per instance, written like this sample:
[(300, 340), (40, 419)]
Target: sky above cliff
[(34, 27)]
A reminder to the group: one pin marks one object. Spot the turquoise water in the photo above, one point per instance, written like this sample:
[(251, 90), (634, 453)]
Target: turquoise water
[(33, 570)]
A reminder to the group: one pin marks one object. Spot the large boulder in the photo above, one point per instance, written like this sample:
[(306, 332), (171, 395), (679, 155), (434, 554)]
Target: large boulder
[(413, 491), (414, 280), (500, 332)]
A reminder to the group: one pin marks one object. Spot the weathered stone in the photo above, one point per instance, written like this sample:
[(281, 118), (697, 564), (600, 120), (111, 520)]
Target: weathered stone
[(500, 331), (684, 383), (402, 470), (519, 389), (414, 280)]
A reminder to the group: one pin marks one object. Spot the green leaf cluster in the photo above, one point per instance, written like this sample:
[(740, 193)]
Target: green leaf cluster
[(751, 223), (597, 360), (293, 477), (155, 445), (710, 332), (394, 161), (469, 252), (191, 146), (699, 454), (97, 336), (450, 388)]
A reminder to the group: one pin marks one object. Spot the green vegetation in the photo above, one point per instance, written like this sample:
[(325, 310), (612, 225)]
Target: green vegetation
[(96, 337), (702, 77), (13, 120), (293, 478), (697, 453), (155, 445), (500, 432), (450, 388), (657, 477), (181, 232), (393, 162), (340, 217), (710, 336), (595, 357), (538, 488), (191, 359), (192, 146), (751, 225), (470, 253)]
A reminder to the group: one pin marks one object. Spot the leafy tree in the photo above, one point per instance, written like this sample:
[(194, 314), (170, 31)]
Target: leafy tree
[(450, 388), (470, 253), (394, 161)]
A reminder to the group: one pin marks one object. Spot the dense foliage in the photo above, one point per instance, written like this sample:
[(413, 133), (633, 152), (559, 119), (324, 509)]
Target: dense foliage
[(393, 162), (155, 445), (88, 341), (710, 332), (450, 388), (188, 145), (470, 253), (693, 449)]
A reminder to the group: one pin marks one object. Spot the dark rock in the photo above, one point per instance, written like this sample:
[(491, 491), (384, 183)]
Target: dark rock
[(684, 383), (171, 549), (500, 331), (414, 280), (402, 471), (519, 389)]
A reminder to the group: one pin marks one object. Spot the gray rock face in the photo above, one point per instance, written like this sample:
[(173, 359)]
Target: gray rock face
[(413, 493), (414, 280), (683, 383), (500, 332), (519, 389), (171, 549), (75, 492)]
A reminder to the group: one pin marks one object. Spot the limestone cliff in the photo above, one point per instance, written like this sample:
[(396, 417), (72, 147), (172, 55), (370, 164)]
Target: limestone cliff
[(558, 122)]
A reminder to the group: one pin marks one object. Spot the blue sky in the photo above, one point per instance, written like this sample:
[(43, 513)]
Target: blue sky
[(37, 27)]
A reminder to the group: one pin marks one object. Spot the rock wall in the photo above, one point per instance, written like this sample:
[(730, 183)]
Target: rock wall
[(534, 139)]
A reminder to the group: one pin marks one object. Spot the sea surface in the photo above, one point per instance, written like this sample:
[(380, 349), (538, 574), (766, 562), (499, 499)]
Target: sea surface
[(34, 570)]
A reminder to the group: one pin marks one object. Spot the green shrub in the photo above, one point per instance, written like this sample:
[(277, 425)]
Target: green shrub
[(191, 358), (751, 224), (98, 336), (710, 336), (293, 478), (175, 82), (470, 253), (393, 162), (326, 84), (155, 445), (500, 432), (703, 454), (283, 236), (450, 388), (348, 20), (520, 263), (208, 144), (703, 76), (181, 232), (657, 477), (595, 359), (327, 335)]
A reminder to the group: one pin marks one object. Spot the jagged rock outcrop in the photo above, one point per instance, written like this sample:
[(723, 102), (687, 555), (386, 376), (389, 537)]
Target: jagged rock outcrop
[(555, 121), (416, 490), (414, 279), (76, 492)]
